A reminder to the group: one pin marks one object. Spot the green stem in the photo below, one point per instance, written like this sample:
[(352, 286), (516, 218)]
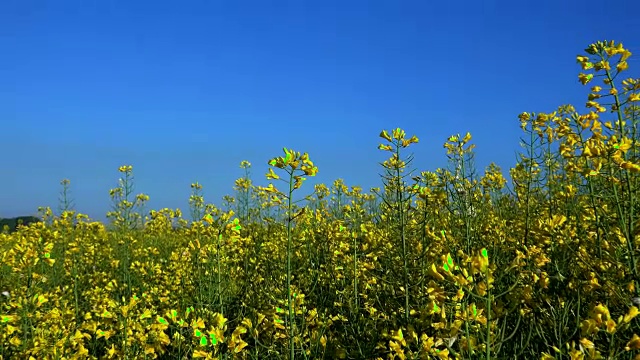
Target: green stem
[(289, 249)]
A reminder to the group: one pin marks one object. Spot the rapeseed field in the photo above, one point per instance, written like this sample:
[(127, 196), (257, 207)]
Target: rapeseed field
[(432, 265)]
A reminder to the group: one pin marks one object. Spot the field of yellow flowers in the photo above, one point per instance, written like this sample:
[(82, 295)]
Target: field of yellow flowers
[(432, 265)]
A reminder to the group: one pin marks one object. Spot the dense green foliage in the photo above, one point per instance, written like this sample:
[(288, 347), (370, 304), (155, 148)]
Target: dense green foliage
[(11, 224)]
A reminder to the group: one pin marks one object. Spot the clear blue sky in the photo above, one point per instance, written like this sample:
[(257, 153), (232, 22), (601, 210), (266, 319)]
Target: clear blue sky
[(185, 90)]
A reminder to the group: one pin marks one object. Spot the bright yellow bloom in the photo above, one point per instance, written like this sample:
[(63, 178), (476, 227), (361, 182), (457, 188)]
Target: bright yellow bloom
[(622, 66), (125, 169), (633, 344), (385, 135), (585, 78), (633, 312)]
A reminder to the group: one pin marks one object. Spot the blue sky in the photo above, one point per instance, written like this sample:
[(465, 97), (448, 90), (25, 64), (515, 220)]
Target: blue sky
[(185, 90)]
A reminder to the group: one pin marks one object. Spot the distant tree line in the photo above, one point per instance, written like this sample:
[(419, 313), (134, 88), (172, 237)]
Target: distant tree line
[(11, 224)]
